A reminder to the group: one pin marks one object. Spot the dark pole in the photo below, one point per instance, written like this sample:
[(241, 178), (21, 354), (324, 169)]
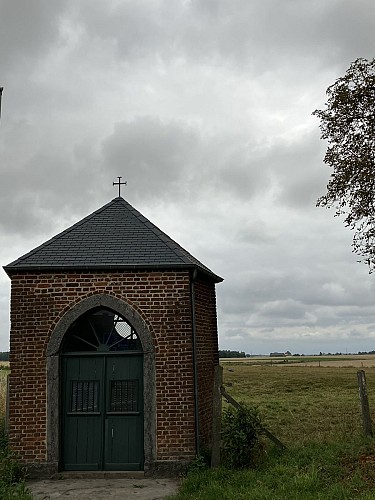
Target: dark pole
[(1, 95)]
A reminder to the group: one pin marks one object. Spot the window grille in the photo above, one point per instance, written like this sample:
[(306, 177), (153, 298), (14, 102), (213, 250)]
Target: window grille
[(85, 396), (101, 330), (124, 396)]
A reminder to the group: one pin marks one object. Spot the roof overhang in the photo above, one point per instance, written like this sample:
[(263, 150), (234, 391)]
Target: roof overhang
[(11, 270)]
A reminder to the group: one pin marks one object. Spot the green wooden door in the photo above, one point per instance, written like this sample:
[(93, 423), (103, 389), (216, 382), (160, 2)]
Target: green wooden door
[(123, 439), (102, 408)]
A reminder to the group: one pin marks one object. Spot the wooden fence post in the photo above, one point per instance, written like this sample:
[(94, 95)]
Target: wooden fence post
[(366, 417)]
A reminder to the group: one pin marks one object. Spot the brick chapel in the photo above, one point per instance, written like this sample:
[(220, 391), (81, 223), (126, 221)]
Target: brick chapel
[(113, 349)]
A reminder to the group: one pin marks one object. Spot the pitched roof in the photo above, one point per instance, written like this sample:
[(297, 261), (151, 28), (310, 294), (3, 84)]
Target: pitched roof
[(115, 236)]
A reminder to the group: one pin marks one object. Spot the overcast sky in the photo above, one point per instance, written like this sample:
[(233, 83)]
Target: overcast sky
[(204, 107)]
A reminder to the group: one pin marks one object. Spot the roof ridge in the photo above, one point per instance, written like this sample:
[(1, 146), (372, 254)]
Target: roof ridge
[(170, 242), (180, 252), (115, 235)]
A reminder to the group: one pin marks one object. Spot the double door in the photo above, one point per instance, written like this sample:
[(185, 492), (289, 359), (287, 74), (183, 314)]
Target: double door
[(102, 408)]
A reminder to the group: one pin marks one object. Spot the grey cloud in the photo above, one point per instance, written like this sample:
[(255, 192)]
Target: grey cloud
[(27, 30), (295, 30), (249, 290), (160, 156), (231, 333), (42, 186), (287, 310), (205, 108), (241, 174), (267, 298), (138, 29), (296, 168), (255, 231), (157, 157), (231, 32), (349, 27), (355, 334)]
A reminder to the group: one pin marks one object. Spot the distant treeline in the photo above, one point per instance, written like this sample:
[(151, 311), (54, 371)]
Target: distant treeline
[(4, 356), (363, 353), (231, 354)]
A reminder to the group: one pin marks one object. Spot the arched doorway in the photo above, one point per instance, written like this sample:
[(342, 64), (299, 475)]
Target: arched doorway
[(102, 418)]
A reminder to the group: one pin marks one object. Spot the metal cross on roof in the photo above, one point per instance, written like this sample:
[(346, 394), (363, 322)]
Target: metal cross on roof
[(119, 184)]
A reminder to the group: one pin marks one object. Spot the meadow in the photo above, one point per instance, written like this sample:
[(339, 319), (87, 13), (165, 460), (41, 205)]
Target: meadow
[(315, 411), (300, 404)]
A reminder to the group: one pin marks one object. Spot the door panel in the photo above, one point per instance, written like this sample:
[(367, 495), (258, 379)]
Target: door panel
[(124, 413), (82, 410), (102, 426)]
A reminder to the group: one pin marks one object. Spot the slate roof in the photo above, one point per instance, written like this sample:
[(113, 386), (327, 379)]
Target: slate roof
[(114, 237)]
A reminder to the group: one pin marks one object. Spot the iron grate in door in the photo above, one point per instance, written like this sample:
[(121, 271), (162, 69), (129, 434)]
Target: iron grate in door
[(85, 396), (124, 396)]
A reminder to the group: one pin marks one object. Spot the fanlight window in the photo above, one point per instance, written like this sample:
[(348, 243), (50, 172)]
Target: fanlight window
[(101, 330)]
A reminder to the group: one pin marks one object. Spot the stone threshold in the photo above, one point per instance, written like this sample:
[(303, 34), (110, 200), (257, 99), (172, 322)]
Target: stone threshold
[(99, 475)]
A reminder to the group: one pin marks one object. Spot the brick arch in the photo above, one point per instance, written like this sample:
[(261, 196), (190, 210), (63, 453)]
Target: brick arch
[(100, 300), (53, 372)]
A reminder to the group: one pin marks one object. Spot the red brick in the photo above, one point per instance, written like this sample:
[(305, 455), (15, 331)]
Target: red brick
[(38, 302)]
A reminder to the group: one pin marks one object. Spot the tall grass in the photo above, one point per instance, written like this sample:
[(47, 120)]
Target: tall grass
[(12, 486), (315, 411), (3, 391)]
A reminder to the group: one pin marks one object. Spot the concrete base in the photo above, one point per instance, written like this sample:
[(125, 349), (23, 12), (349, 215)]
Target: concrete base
[(100, 475), (159, 469), (103, 489), (167, 468), (41, 470)]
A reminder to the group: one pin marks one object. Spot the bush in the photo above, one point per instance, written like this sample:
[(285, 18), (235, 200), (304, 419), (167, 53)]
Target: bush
[(12, 474), (197, 465), (241, 428)]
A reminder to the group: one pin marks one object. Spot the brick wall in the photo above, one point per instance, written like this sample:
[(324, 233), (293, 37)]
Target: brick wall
[(39, 300), (207, 355)]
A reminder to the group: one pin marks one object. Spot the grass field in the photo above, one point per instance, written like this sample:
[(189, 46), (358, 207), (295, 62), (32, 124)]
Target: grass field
[(301, 404), (315, 412)]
